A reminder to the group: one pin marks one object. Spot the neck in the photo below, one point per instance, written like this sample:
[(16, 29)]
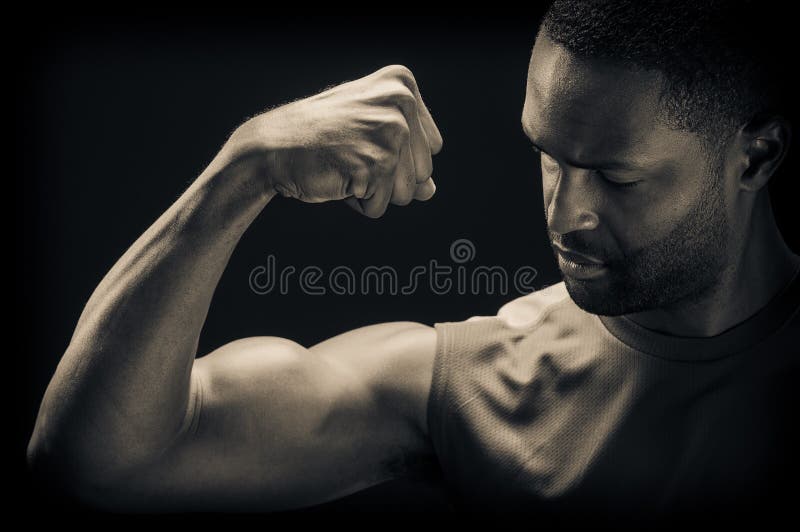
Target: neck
[(764, 265)]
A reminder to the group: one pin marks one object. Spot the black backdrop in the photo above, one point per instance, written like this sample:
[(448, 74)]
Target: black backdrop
[(116, 116)]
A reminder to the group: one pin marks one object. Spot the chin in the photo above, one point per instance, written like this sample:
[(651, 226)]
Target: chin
[(594, 299), (606, 298), (627, 294)]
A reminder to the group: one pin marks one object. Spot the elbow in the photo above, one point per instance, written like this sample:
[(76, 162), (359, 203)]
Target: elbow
[(48, 468), (35, 454), (62, 470), (40, 455), (53, 471)]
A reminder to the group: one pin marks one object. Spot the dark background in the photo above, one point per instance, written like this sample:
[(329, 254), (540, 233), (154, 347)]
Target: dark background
[(114, 117)]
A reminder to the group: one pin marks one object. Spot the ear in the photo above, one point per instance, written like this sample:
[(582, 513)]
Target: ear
[(765, 142)]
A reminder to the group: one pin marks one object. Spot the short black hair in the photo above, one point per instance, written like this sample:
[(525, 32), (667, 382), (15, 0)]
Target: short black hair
[(720, 59)]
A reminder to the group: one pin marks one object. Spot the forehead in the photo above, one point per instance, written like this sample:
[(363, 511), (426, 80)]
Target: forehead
[(590, 106)]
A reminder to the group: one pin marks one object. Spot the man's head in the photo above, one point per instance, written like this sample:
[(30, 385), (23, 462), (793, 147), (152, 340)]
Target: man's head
[(659, 125)]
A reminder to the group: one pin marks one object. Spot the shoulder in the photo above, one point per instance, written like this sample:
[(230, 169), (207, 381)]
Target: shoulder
[(529, 309), (525, 311), (528, 324), (525, 324)]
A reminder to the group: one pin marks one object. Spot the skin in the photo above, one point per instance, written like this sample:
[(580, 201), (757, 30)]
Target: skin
[(686, 234), (134, 419)]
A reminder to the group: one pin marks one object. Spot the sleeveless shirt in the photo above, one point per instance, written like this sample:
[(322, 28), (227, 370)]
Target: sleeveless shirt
[(549, 409)]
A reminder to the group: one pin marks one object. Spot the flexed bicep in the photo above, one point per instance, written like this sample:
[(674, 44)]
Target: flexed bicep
[(280, 426)]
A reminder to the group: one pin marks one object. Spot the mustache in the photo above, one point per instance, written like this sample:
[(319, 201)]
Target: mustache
[(578, 242)]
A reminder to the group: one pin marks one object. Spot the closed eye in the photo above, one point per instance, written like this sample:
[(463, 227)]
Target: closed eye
[(618, 184), (600, 173)]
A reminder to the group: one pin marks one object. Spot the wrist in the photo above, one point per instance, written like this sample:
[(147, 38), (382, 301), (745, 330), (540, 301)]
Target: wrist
[(247, 169), (249, 149)]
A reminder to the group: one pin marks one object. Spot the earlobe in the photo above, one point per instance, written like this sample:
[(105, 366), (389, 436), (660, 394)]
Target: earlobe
[(768, 141)]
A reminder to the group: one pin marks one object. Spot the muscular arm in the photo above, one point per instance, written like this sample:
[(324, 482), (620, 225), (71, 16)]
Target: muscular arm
[(280, 426), (131, 419)]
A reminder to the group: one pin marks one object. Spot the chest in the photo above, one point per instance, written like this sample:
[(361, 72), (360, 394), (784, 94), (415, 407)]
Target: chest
[(584, 434)]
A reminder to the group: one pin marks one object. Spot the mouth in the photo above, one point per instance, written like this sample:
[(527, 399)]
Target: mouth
[(577, 258), (578, 265)]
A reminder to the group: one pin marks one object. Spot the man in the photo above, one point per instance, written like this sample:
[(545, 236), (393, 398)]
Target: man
[(654, 378)]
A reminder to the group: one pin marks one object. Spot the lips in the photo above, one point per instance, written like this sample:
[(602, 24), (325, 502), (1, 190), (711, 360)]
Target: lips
[(578, 258)]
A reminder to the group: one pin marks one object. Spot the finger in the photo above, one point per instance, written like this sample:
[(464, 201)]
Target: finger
[(425, 191), (420, 150), (435, 140), (360, 186), (404, 179), (357, 184), (434, 136), (355, 204), (374, 205)]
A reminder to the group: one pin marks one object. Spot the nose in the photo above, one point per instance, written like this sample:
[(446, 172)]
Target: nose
[(572, 204)]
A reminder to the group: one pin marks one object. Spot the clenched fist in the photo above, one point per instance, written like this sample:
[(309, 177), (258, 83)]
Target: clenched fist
[(368, 142)]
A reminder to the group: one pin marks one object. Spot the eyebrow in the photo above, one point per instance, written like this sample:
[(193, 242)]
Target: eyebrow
[(597, 165)]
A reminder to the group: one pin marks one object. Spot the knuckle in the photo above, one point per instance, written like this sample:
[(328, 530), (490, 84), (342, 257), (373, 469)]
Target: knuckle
[(404, 99), (396, 126), (369, 156), (400, 71), (378, 161), (423, 163), (386, 165), (357, 185), (437, 144), (424, 172), (403, 192)]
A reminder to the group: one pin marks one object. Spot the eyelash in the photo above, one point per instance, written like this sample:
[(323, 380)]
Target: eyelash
[(626, 184), (615, 184)]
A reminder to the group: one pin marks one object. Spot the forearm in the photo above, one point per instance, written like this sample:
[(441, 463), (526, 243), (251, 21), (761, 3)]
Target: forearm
[(118, 414), (121, 391)]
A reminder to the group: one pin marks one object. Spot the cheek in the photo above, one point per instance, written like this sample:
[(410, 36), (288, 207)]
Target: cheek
[(648, 215)]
